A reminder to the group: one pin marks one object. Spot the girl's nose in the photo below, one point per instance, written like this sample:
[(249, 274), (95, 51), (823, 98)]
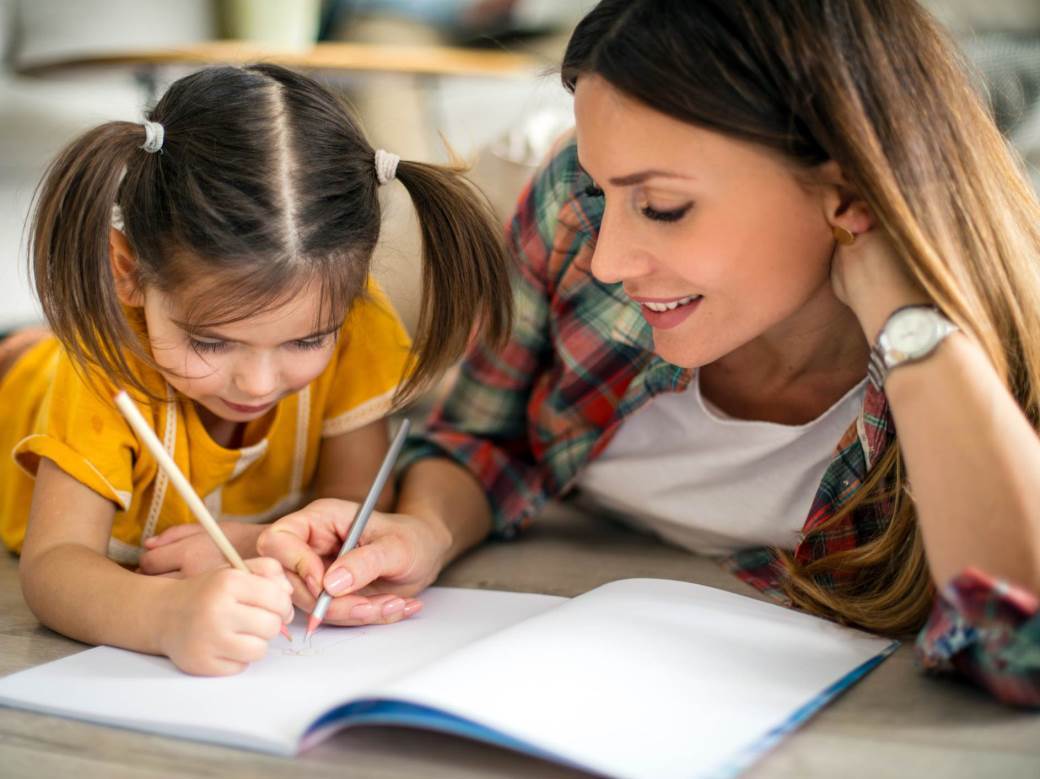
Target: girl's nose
[(256, 376)]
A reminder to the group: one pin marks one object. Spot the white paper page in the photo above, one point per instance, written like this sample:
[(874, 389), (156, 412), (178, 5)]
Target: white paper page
[(645, 678), (271, 704)]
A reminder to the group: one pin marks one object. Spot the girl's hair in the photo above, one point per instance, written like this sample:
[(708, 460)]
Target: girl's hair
[(875, 86), (263, 185)]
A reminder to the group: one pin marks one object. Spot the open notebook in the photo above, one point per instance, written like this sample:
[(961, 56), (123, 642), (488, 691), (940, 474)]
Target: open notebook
[(637, 678)]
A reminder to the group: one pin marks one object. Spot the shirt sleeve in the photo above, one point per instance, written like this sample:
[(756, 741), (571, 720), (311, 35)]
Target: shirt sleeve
[(372, 359), (80, 429), (482, 423), (989, 631)]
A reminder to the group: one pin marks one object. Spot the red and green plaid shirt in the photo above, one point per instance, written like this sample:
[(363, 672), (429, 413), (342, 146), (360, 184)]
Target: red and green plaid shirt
[(527, 418)]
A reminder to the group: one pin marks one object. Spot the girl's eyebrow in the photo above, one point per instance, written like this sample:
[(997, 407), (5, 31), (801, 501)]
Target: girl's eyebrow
[(205, 332)]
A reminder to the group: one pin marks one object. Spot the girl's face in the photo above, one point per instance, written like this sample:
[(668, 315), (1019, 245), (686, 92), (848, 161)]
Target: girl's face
[(239, 371), (715, 238)]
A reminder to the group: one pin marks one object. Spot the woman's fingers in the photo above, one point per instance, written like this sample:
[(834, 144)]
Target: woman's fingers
[(383, 557)]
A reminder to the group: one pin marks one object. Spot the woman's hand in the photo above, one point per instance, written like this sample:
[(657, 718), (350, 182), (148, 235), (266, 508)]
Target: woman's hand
[(397, 557), (870, 278), (187, 550), (219, 622)]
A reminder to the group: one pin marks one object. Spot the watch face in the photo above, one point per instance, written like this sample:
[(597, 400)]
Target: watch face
[(913, 331)]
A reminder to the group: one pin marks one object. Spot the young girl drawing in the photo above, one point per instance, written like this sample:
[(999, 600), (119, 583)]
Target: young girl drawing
[(214, 261)]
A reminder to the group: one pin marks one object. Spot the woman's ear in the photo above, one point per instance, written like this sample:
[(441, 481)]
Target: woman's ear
[(124, 269), (842, 206)]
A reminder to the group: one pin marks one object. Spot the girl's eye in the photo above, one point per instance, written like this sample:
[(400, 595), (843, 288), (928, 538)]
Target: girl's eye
[(665, 216), (311, 343), (593, 191), (208, 346)]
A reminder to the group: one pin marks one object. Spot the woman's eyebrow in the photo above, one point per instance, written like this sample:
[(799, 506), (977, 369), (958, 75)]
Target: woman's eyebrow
[(638, 178)]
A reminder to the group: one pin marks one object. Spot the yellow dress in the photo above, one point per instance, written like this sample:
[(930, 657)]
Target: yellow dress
[(48, 409)]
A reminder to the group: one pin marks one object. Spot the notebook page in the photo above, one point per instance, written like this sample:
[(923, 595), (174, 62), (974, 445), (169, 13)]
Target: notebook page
[(270, 705), (646, 678)]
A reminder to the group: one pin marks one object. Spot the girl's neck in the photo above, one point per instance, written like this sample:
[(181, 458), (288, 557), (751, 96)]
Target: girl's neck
[(229, 435)]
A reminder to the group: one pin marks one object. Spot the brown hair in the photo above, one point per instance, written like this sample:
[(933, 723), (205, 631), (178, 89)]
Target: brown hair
[(264, 183), (875, 86)]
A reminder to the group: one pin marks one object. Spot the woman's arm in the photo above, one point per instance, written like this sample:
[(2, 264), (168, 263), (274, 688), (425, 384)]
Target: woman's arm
[(972, 458), (973, 463), (210, 624), (348, 463)]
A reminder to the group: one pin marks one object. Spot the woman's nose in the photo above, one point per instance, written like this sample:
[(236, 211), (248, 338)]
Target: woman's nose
[(616, 258)]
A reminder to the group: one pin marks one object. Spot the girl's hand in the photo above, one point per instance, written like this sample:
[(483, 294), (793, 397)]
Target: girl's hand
[(221, 621), (869, 277), (187, 550), (397, 557)]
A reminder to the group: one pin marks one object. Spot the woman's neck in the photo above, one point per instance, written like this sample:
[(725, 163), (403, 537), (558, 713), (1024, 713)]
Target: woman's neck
[(794, 372)]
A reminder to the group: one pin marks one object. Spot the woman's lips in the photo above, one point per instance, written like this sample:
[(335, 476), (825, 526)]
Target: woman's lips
[(665, 313)]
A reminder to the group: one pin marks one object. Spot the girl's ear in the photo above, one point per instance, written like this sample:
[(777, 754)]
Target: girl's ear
[(842, 206), (124, 269)]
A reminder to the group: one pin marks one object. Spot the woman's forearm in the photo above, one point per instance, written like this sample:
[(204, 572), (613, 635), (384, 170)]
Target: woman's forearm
[(447, 495), (973, 463)]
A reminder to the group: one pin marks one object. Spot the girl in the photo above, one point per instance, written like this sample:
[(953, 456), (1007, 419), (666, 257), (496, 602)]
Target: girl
[(762, 199), (215, 261)]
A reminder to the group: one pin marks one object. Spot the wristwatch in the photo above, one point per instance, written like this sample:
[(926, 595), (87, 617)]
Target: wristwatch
[(910, 334)]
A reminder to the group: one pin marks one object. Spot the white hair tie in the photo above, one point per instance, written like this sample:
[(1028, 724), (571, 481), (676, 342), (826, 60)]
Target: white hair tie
[(154, 134), (386, 165)]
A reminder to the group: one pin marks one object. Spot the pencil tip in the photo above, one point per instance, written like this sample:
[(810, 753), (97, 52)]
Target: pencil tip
[(312, 625), (285, 632)]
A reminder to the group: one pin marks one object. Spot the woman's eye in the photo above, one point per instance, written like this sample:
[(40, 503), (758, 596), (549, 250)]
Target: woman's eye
[(593, 191), (665, 216), (208, 346)]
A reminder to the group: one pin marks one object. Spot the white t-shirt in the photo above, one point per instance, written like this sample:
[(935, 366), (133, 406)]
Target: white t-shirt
[(682, 469)]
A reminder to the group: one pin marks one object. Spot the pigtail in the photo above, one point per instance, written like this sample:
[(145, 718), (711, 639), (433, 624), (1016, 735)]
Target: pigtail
[(69, 253), (466, 286)]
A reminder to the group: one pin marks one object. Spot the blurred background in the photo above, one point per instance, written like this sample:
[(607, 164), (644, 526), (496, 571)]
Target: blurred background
[(425, 73)]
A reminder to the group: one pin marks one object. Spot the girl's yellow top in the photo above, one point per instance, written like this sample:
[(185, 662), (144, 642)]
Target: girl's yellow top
[(49, 410)]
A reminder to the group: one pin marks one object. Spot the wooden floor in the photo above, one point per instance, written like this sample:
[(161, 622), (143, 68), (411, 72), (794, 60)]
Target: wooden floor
[(895, 723)]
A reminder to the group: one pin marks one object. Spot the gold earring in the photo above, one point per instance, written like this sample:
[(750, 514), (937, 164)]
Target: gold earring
[(843, 236)]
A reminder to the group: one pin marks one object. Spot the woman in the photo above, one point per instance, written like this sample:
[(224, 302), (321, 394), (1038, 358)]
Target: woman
[(781, 234)]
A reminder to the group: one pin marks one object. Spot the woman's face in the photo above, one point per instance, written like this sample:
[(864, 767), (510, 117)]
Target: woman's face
[(717, 239)]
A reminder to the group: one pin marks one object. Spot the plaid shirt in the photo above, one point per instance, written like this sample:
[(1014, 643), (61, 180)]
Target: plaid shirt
[(527, 418)]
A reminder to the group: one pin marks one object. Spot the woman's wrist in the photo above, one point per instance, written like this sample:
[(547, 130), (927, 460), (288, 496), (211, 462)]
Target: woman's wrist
[(448, 499)]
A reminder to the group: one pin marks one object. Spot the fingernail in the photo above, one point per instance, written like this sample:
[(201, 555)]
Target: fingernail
[(338, 581), (313, 586), (292, 615), (362, 611), (412, 607), (393, 607)]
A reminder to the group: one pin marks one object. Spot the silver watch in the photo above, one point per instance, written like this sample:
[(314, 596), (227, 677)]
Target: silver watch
[(910, 334)]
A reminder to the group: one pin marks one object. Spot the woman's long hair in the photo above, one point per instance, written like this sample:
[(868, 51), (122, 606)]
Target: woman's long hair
[(876, 86)]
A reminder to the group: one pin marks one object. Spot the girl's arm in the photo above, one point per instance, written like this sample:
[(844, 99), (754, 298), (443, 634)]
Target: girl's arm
[(347, 466), (215, 623)]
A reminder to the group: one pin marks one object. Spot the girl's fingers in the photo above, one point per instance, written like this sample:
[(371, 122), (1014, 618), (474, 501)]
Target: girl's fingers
[(293, 553), (161, 560), (172, 534)]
